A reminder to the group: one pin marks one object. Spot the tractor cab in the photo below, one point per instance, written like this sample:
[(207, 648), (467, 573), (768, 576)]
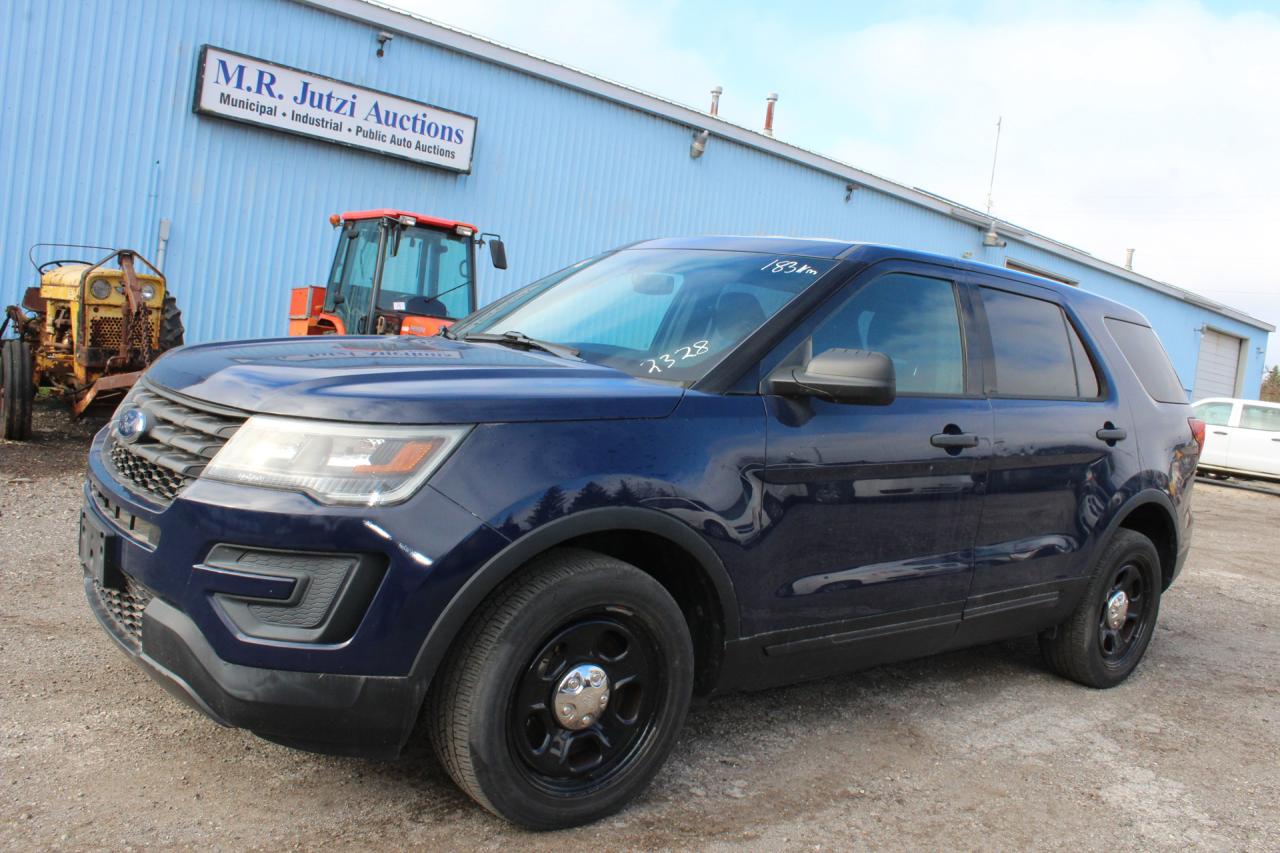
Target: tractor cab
[(394, 273)]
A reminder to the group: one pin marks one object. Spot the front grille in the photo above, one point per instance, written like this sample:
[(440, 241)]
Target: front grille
[(107, 332), (179, 442), (125, 606)]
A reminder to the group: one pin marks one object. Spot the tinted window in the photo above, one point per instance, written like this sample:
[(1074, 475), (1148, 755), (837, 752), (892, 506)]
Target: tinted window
[(1214, 414), (1032, 349), (910, 318), (1260, 417), (1142, 350)]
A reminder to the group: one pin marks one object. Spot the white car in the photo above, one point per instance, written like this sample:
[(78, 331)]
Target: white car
[(1242, 437)]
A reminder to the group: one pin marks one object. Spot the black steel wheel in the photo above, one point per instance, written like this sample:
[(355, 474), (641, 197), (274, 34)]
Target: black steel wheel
[(16, 374), (565, 692), (1110, 629), (585, 704)]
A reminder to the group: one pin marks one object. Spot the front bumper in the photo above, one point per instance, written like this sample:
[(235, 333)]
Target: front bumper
[(357, 693), (322, 712)]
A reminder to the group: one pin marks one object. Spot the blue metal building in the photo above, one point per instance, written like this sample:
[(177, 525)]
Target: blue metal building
[(100, 144)]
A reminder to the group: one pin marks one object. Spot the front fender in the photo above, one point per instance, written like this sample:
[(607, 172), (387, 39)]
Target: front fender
[(556, 532)]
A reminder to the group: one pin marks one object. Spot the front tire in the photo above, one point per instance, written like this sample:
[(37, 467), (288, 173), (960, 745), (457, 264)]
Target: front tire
[(16, 376), (565, 692), (1108, 633), (172, 332)]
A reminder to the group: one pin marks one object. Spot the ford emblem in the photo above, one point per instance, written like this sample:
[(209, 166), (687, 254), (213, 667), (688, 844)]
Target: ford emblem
[(132, 425)]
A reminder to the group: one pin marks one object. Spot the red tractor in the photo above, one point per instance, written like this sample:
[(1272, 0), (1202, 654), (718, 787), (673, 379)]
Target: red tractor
[(394, 273)]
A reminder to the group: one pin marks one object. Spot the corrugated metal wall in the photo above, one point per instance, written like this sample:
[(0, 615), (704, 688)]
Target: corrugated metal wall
[(98, 144)]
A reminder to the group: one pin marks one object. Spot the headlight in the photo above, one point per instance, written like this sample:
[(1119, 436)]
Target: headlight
[(148, 292), (100, 288), (334, 463)]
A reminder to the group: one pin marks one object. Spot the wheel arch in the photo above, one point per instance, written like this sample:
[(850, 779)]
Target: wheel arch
[(1151, 513), (663, 547)]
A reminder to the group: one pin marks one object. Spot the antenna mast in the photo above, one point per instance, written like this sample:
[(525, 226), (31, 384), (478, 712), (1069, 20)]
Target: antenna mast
[(994, 156)]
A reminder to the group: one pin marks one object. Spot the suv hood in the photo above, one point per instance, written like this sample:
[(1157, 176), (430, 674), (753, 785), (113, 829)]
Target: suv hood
[(406, 380)]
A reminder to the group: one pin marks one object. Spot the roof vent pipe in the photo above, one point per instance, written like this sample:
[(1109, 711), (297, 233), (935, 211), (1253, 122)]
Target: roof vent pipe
[(768, 113), (1128, 258), (715, 100)]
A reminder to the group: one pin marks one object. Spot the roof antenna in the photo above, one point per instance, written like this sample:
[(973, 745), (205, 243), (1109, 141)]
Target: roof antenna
[(991, 185), (991, 238)]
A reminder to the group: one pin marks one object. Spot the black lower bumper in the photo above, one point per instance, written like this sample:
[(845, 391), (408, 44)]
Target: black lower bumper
[(321, 712)]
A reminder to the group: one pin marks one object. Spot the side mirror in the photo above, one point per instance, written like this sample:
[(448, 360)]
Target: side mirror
[(840, 375), (498, 253)]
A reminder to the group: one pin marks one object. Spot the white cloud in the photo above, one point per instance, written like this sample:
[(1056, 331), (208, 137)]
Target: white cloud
[(1152, 126)]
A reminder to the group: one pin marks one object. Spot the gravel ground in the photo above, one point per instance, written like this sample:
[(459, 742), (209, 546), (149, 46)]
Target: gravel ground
[(980, 749)]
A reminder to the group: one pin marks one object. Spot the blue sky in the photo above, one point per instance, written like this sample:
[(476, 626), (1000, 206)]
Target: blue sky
[(1153, 125)]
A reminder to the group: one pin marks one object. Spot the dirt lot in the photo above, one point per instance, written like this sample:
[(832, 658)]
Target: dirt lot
[(981, 749)]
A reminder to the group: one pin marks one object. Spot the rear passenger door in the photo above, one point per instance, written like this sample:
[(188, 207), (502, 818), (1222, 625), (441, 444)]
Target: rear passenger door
[(1063, 444)]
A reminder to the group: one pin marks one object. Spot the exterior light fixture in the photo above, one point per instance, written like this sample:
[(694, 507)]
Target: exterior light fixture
[(992, 239), (383, 38), (699, 145)]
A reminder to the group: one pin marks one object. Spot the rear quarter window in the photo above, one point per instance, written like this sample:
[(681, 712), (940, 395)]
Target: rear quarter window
[(1148, 359)]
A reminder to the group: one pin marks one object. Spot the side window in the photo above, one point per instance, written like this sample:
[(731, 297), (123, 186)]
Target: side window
[(1036, 350), (1148, 359), (910, 318), (1260, 417), (1214, 414)]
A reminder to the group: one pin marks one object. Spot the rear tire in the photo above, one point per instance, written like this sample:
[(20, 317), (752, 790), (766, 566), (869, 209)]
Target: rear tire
[(172, 332), (1108, 633), (18, 391), (502, 723)]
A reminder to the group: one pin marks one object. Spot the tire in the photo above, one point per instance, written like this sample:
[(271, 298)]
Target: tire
[(506, 746), (172, 332), (1100, 647), (18, 391)]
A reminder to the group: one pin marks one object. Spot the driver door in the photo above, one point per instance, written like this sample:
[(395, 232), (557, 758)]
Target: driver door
[(870, 525)]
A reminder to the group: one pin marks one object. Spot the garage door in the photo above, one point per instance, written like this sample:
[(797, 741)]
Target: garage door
[(1217, 366)]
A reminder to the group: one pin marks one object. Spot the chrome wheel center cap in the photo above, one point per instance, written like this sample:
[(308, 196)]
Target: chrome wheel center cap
[(581, 696), (1117, 610)]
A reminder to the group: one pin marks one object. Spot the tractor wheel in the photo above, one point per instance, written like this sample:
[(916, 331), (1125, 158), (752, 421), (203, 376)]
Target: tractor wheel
[(171, 330), (18, 391)]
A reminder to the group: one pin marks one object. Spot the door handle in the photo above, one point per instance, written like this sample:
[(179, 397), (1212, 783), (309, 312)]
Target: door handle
[(1220, 432), (1110, 433), (954, 440)]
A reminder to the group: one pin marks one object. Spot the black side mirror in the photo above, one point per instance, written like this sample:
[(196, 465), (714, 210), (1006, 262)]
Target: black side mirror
[(841, 375), (498, 253)]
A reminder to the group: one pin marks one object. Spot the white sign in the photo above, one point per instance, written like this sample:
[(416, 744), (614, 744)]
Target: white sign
[(240, 87)]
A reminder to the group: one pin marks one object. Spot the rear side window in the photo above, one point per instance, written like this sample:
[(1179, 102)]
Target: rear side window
[(1214, 414), (1148, 359), (1260, 417), (1037, 352)]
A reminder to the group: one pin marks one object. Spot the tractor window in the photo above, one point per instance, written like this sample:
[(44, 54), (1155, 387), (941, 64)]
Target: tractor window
[(430, 275)]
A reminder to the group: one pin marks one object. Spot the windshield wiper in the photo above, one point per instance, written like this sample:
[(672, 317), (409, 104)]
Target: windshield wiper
[(520, 339)]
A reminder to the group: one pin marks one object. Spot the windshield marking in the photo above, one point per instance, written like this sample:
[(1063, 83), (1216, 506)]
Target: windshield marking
[(694, 350), (778, 265)]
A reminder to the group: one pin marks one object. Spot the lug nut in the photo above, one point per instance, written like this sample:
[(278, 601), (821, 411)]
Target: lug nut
[(604, 699), (587, 718), (597, 678), (574, 682)]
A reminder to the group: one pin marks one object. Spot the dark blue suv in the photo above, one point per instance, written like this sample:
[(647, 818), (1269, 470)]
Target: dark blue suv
[(682, 467)]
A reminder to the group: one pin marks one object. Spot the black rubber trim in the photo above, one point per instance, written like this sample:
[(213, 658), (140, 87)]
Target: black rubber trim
[(899, 625), (991, 608), (322, 712)]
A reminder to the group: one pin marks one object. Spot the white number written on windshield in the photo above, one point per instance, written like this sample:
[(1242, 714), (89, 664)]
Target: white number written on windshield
[(668, 360), (778, 265)]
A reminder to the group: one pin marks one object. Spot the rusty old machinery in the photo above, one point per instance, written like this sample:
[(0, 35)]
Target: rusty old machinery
[(86, 333)]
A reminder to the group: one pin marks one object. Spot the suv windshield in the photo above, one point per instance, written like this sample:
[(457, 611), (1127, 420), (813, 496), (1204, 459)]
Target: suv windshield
[(669, 314)]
